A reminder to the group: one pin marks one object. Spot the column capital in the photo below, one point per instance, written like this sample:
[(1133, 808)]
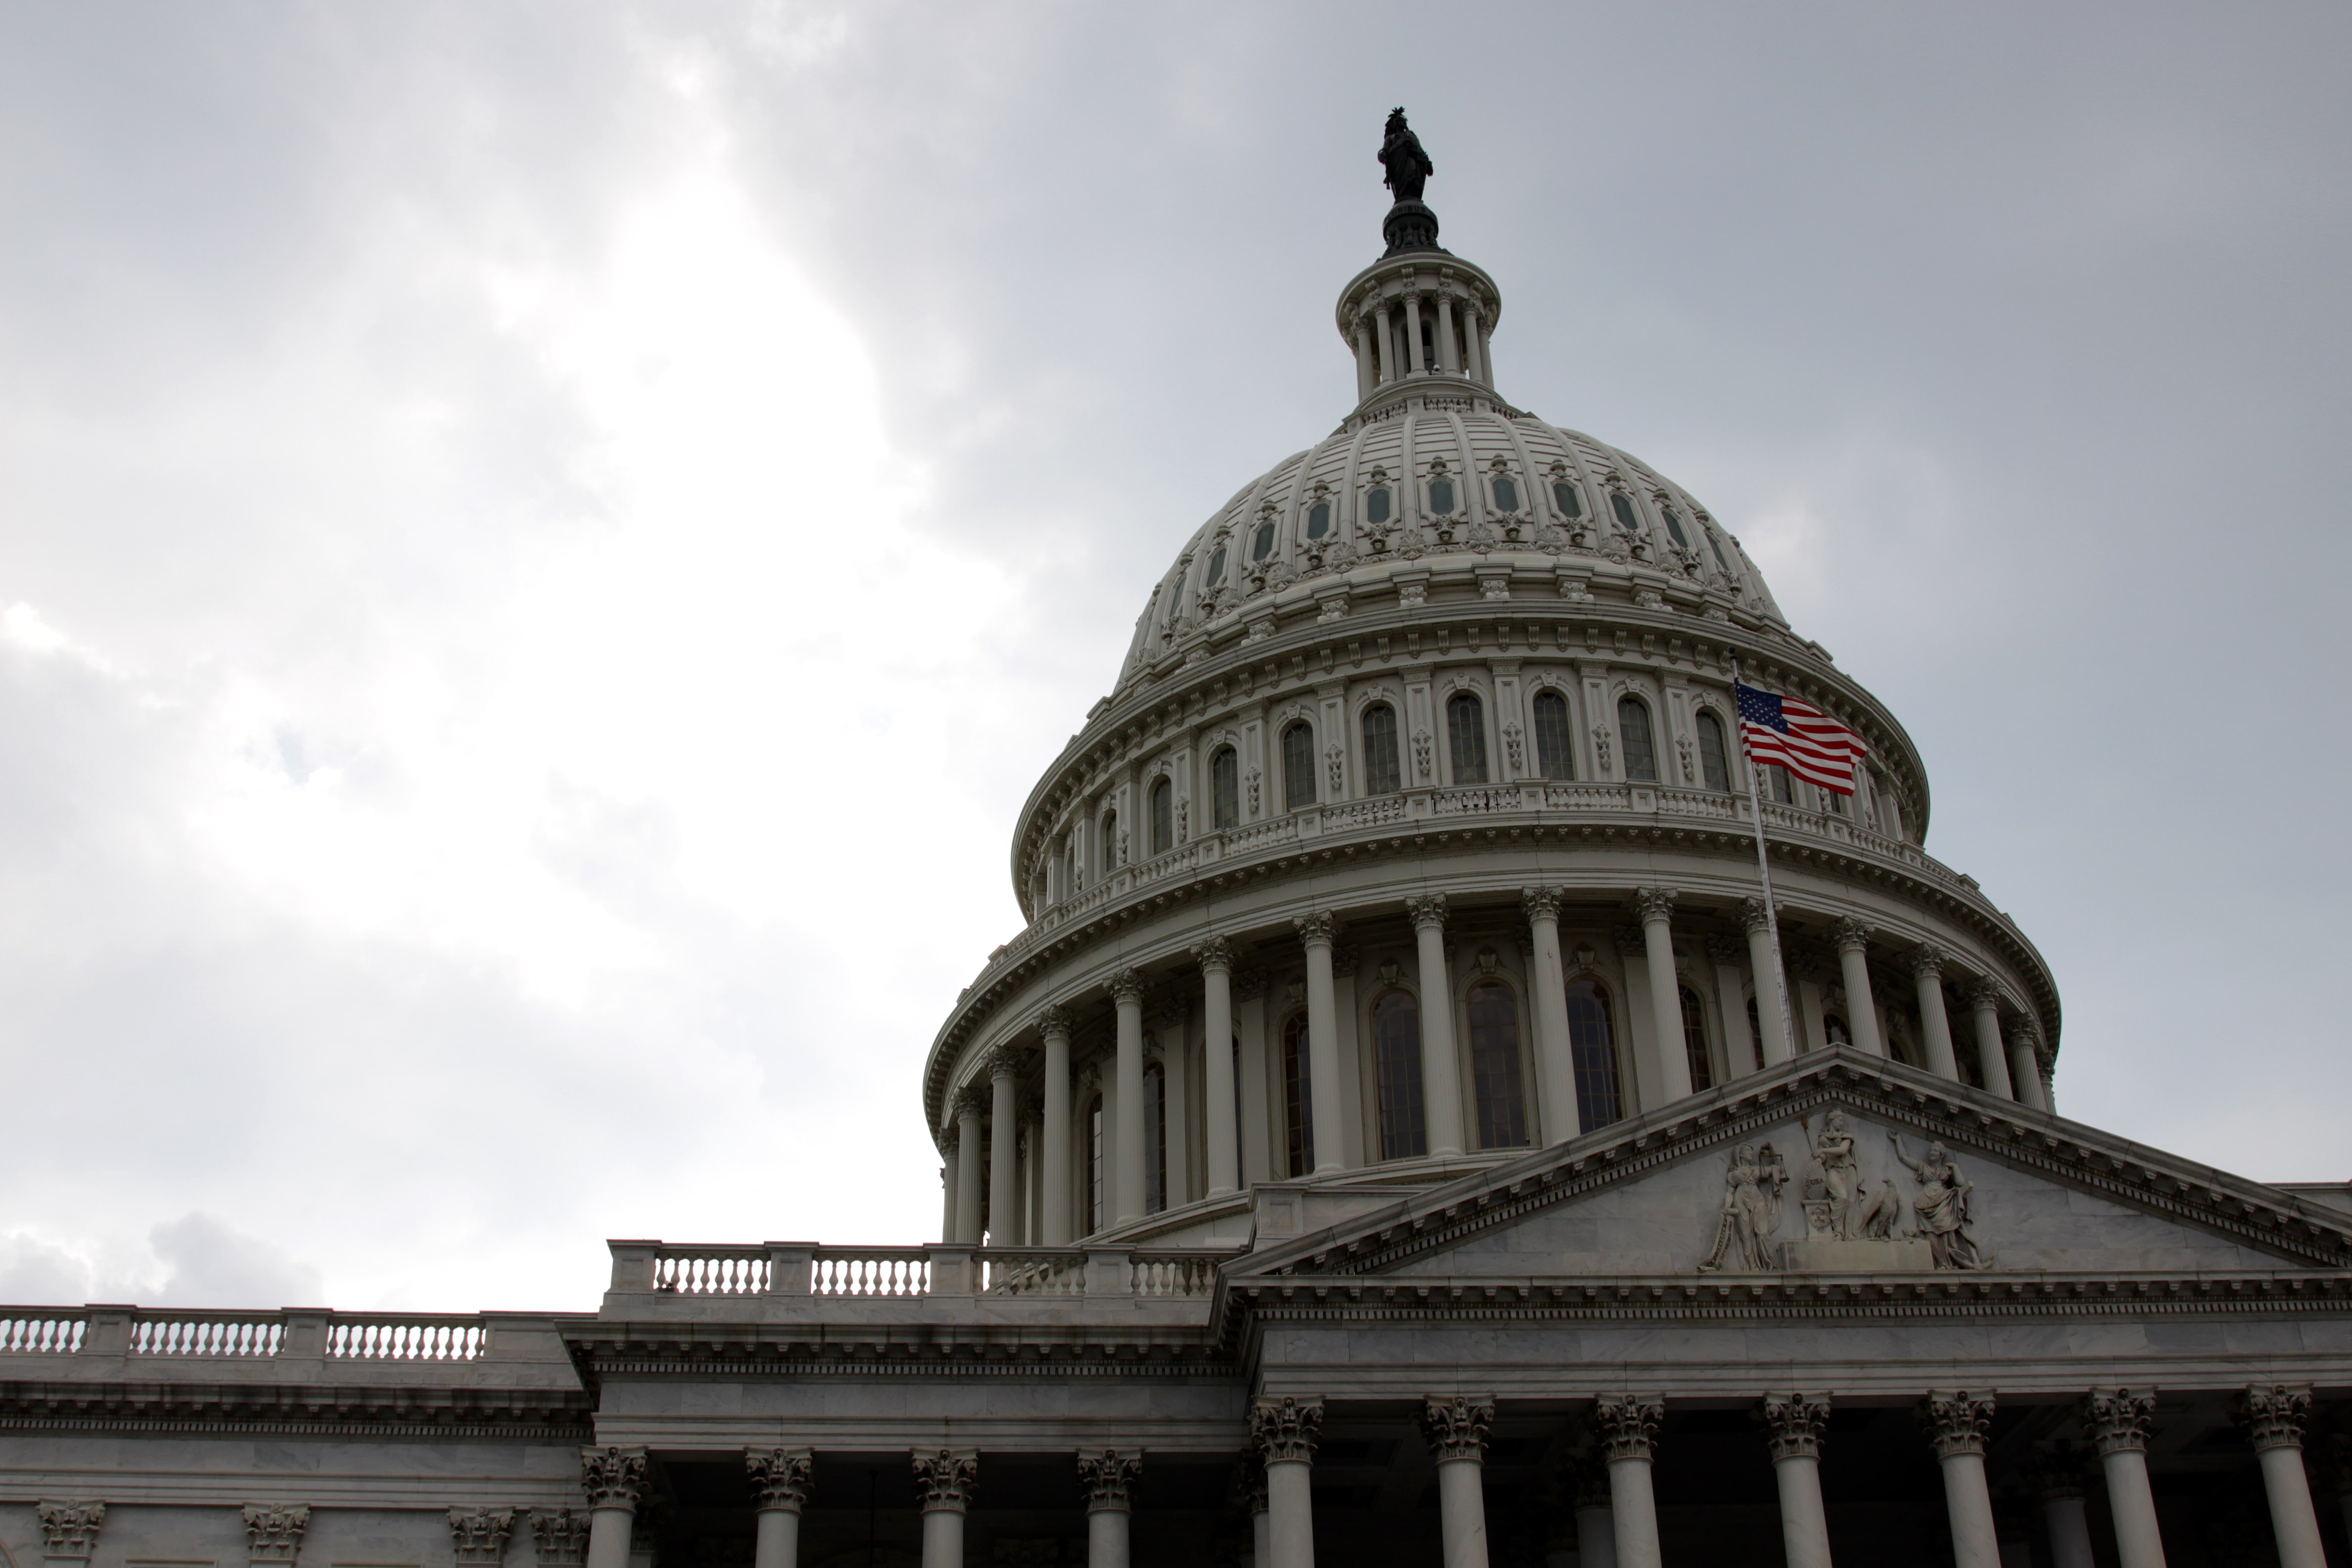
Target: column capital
[(612, 1477), (1318, 928), (1754, 917), (1004, 1061), (559, 1537), (945, 1478), (971, 1101), (477, 1536), (1427, 911), (1850, 935), (2118, 1420), (1956, 1421), (1984, 991), (780, 1478), (1541, 903), (1054, 1021), (1215, 956), (1793, 1423), (1727, 951), (1628, 1424), (2274, 1414), (70, 1529), (1126, 986), (1456, 1428), (1654, 903), (1631, 942), (1926, 961), (274, 1534), (1284, 1429), (1106, 1476)]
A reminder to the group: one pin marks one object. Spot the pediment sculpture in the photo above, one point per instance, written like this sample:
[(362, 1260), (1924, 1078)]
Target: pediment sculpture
[(1850, 1225)]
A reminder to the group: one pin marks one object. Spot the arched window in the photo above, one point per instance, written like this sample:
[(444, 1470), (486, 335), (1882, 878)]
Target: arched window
[(1783, 792), (1225, 788), (1376, 504), (1592, 1051), (1383, 773), (1163, 816), (1507, 493), (1466, 737), (1297, 1097), (1093, 1166), (1714, 761), (1108, 858), (1297, 766), (1568, 498), (1175, 598), (1702, 1065), (1622, 505), (1396, 1047), (1263, 546), (1555, 748), (1216, 573), (1755, 1034), (1440, 498), (1155, 1137), (1711, 543), (1633, 738), (1674, 526), (1836, 802), (1319, 520), (1494, 1068)]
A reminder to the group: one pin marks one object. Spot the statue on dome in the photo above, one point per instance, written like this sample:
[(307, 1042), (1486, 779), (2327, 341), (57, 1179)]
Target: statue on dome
[(1400, 154)]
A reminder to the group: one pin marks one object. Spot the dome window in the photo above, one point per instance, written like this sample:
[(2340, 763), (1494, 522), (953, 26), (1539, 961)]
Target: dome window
[(1592, 1050), (1633, 738), (1396, 1047), (1714, 760), (1263, 546), (1507, 493), (1382, 775), (1466, 737), (1297, 767), (1674, 527), (1564, 496), (1440, 498), (1554, 760), (1376, 505), (1622, 505), (1226, 789), (1495, 1076), (1319, 520), (1216, 569), (1163, 817), (1716, 546)]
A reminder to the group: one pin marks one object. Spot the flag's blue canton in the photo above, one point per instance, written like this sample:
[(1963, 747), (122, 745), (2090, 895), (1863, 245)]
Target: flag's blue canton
[(1762, 708)]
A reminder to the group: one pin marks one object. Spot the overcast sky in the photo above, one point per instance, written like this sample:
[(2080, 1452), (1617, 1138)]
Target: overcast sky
[(541, 545)]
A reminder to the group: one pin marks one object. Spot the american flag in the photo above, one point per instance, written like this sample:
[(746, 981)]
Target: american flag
[(1798, 737)]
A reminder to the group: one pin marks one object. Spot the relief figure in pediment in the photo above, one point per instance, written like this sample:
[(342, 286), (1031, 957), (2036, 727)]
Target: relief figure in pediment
[(1942, 1206), (1878, 1216), (1751, 1212), (1832, 1181)]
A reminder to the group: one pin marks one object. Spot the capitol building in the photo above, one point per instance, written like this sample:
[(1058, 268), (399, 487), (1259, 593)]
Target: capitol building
[(1408, 1128)]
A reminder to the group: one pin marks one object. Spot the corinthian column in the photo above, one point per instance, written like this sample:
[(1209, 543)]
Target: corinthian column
[(70, 1530), (2274, 1414), (1216, 960), (1771, 985), (1793, 1423), (1984, 1008), (780, 1479), (1928, 975), (1457, 1429), (2118, 1422), (1283, 1432), (1106, 1477), (1317, 933), (943, 1486), (1555, 1069), (1004, 1143), (2025, 1067), (1441, 1073), (1629, 1434), (1657, 907), (1956, 1424), (614, 1479), (1053, 1024), (971, 1107), (1853, 938), (1126, 1147)]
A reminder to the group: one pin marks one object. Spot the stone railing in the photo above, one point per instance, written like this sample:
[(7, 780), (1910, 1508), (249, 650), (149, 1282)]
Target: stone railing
[(41, 1334), (869, 1271), (713, 1270), (164, 1334), (777, 1270)]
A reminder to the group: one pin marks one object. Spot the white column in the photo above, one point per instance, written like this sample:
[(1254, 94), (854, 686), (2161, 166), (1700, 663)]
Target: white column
[(1322, 1044), (1853, 940), (1956, 1424), (2275, 1416), (1740, 1057), (1441, 1073), (1126, 1145), (1054, 1024), (1928, 975), (614, 1479), (1656, 906), (1486, 352), (1106, 1477), (943, 1486), (1984, 1007), (948, 1184), (1175, 1099), (1448, 359), (1555, 1067), (1413, 334), (1284, 1431), (1628, 1433), (971, 1108), (779, 1480), (1216, 960), (1261, 1524), (1367, 367), (1793, 1423), (1596, 1535), (1004, 1147), (1476, 369), (2118, 1420), (2025, 1067), (1388, 347), (1771, 985), (2070, 1530), (1258, 1077), (1456, 1430)]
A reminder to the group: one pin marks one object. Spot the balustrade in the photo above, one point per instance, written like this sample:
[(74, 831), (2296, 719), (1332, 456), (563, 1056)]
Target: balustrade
[(412, 1339), (713, 1270), (41, 1336), (214, 1336), (206, 1336), (870, 1272)]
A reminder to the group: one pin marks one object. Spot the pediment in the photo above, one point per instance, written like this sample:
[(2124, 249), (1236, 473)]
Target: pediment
[(1836, 1163)]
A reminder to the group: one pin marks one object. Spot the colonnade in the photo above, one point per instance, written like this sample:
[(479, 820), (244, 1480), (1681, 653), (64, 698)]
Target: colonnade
[(1378, 362), (2008, 1062)]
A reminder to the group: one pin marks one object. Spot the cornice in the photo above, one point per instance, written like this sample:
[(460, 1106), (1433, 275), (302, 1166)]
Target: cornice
[(506, 1414)]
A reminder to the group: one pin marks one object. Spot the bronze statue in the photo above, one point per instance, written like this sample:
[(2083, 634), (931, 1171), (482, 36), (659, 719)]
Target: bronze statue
[(1401, 156)]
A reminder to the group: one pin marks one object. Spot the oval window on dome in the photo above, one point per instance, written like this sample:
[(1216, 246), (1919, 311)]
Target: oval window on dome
[(1564, 496), (1622, 506), (1376, 505), (1216, 568), (1440, 498), (1263, 546), (1319, 520), (1674, 527), (1507, 493)]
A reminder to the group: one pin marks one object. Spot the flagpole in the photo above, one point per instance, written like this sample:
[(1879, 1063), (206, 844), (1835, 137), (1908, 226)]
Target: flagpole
[(1764, 869)]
